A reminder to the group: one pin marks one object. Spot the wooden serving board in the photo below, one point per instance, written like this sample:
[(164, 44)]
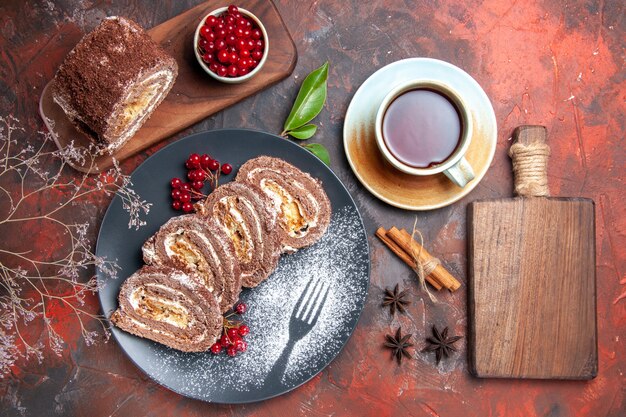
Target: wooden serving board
[(532, 294), (195, 95)]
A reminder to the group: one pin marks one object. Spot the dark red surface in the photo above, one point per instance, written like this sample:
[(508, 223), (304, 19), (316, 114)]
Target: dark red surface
[(541, 62)]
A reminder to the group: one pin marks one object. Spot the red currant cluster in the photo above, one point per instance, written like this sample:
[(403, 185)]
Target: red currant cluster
[(233, 334), (230, 44), (200, 169)]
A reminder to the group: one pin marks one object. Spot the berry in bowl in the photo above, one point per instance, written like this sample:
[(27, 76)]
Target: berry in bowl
[(231, 44)]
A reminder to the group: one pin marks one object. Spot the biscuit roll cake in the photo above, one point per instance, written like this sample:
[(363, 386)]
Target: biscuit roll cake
[(303, 207), (197, 245), (248, 217), (170, 307), (112, 81)]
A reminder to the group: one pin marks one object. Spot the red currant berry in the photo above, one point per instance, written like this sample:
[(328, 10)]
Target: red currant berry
[(220, 33), (177, 205), (243, 63), (227, 169), (229, 20), (208, 57), (216, 348), (214, 165), (197, 185), (253, 64), (231, 40), (220, 25), (246, 33), (233, 9), (185, 197), (244, 53), (231, 351), (205, 30), (250, 44), (224, 341), (241, 308), (232, 334), (240, 45), (204, 160), (187, 207), (211, 21), (241, 346), (242, 23), (257, 54), (232, 70), (194, 159), (220, 44), (213, 67), (176, 182), (222, 71), (202, 43), (248, 24), (256, 34), (259, 44), (200, 174), (242, 71), (176, 193), (223, 56), (243, 330), (192, 176), (239, 32), (185, 186), (233, 58)]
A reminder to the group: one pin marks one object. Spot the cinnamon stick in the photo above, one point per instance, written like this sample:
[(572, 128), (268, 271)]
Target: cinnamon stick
[(404, 240), (381, 233)]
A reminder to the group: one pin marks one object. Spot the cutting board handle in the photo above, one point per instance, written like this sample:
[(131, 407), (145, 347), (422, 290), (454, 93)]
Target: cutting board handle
[(530, 154)]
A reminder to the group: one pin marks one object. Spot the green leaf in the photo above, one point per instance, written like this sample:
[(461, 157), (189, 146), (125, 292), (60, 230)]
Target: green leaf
[(303, 132), (310, 100), (318, 150)]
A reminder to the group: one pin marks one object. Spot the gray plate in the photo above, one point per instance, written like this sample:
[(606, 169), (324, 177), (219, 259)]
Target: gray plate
[(273, 364)]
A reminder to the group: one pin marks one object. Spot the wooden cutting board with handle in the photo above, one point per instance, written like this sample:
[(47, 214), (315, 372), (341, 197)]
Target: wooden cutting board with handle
[(532, 292)]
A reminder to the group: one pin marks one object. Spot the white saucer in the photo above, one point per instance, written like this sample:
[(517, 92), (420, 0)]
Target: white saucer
[(382, 179)]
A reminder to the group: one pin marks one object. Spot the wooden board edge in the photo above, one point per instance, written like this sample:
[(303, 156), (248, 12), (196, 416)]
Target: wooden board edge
[(535, 377), (511, 199), (294, 49), (593, 371), (471, 306)]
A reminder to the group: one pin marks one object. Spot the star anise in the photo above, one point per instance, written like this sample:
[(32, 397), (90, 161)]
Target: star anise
[(399, 345), (441, 344), (395, 300)]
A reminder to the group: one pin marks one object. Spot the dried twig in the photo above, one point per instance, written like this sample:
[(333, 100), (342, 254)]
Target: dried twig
[(29, 282)]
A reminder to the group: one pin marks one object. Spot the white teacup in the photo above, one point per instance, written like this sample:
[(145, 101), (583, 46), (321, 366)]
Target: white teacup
[(455, 166)]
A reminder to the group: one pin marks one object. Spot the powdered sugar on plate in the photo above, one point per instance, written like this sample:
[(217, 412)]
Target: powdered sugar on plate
[(341, 260)]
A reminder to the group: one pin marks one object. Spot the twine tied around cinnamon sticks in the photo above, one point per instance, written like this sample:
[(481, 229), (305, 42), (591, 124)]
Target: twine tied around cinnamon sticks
[(530, 168), (428, 268), (423, 269)]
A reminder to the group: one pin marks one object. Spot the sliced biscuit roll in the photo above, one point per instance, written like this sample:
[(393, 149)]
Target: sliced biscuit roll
[(170, 307), (248, 217), (303, 206), (112, 81), (197, 245)]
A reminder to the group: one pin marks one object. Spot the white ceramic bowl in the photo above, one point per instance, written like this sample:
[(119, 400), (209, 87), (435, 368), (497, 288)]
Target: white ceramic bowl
[(232, 80)]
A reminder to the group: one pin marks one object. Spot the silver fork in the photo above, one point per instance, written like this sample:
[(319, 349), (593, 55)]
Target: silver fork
[(303, 319)]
